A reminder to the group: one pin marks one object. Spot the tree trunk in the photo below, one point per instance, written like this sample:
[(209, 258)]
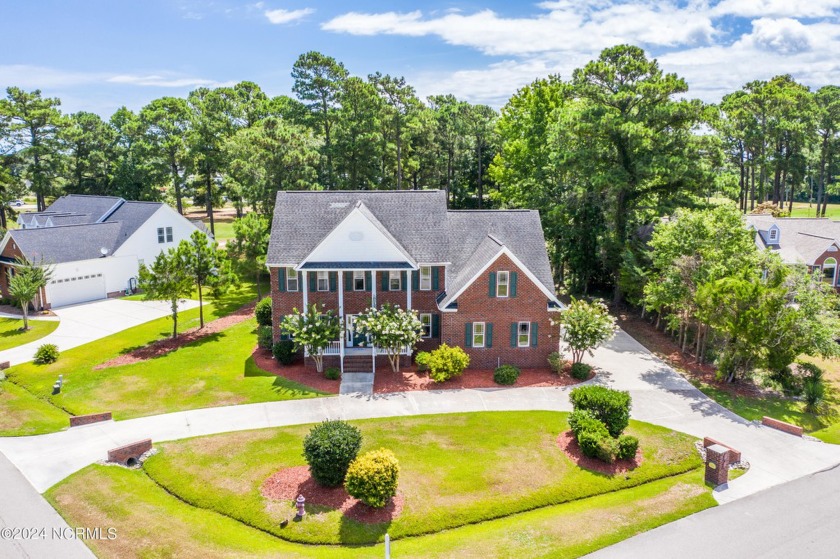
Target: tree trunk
[(200, 308), (174, 318), (620, 234), (399, 156), (257, 278), (176, 186), (480, 186), (208, 196)]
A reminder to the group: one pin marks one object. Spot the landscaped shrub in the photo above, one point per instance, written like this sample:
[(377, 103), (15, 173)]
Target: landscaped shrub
[(506, 374), (590, 442), (580, 371), (329, 448), (263, 312), (284, 351), (372, 477), (265, 337), (811, 369), (612, 407), (607, 449), (627, 447), (814, 392), (422, 360), (332, 373), (556, 362), (583, 420), (446, 362), (46, 353)]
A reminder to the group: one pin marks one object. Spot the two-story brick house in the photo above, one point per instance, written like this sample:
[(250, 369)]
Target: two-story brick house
[(480, 280)]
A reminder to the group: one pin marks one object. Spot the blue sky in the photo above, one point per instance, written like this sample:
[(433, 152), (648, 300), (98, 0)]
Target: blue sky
[(97, 55)]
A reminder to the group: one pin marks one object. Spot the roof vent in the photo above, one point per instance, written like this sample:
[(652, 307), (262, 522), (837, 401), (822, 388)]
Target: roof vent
[(339, 204), (356, 235)]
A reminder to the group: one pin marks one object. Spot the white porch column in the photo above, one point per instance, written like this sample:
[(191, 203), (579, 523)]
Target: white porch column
[(408, 289), (373, 288), (342, 334), (305, 290)]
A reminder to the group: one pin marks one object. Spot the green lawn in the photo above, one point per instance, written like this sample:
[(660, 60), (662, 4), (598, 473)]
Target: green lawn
[(803, 209), (24, 414), (152, 522), (224, 230), (212, 371), (455, 470), (11, 334)]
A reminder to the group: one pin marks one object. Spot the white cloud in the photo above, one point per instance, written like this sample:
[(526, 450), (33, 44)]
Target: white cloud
[(777, 8), (784, 36), (279, 17), (162, 81), (41, 77)]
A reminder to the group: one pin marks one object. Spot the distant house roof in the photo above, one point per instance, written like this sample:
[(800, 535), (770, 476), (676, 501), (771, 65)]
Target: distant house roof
[(798, 240), (67, 243)]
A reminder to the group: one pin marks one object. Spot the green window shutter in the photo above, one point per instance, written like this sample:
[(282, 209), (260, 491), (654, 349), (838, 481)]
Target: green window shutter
[(533, 334), (384, 281), (492, 284), (435, 278), (404, 281), (488, 335), (368, 281), (333, 276), (513, 327), (281, 280), (436, 326), (415, 280), (348, 281), (313, 280), (468, 335), (513, 277)]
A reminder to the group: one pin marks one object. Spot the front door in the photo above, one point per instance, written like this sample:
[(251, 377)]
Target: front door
[(353, 338)]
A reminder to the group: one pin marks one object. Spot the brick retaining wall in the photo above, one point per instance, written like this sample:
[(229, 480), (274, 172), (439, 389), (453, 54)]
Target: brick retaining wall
[(77, 420), (734, 455), (782, 426), (123, 454)]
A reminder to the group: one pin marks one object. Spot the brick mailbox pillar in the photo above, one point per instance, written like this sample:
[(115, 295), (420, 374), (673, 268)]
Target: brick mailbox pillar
[(717, 464)]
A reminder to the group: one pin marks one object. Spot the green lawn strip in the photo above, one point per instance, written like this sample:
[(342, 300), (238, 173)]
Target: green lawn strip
[(153, 523), (22, 413), (11, 334), (803, 210), (791, 411), (456, 469)]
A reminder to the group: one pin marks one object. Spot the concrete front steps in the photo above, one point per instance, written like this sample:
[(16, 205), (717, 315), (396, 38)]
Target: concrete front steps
[(358, 375)]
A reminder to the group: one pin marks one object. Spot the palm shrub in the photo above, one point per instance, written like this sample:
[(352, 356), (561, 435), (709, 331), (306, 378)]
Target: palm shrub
[(46, 353), (612, 407), (814, 392), (506, 374), (372, 477), (263, 312), (329, 448), (446, 362)]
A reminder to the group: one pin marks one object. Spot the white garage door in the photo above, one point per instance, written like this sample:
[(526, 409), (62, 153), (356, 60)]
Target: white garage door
[(63, 291)]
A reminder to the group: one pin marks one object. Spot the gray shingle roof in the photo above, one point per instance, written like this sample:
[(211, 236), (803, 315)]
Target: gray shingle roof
[(800, 241), (67, 243), (131, 215), (94, 206)]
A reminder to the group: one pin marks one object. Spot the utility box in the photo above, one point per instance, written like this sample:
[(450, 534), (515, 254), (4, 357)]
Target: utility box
[(717, 464)]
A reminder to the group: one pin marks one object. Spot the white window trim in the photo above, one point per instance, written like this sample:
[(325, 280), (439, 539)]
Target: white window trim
[(834, 276), (161, 235), (483, 334), (289, 279), (774, 234), (422, 316), (426, 280), (394, 275), (325, 277), (359, 274), (506, 283), (169, 236), (519, 334)]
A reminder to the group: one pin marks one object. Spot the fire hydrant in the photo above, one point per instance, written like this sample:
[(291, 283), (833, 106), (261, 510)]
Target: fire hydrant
[(300, 502)]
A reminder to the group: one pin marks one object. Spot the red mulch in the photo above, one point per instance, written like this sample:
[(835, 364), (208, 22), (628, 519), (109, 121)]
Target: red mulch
[(408, 379), (298, 372), (568, 444), (162, 347), (288, 483)]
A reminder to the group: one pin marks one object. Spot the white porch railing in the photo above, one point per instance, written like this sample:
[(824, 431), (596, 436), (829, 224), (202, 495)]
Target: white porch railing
[(406, 350), (334, 348)]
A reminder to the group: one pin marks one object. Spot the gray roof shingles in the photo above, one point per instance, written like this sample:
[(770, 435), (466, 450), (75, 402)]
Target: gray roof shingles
[(800, 240)]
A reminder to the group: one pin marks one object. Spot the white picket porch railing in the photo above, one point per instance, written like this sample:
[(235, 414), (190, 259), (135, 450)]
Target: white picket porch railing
[(406, 350)]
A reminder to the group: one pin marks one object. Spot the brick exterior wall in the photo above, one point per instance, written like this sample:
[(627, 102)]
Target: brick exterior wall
[(734, 455), (475, 305), (818, 263), (78, 420), (11, 251)]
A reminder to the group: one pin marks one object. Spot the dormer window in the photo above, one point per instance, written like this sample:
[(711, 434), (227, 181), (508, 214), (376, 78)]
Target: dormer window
[(774, 234)]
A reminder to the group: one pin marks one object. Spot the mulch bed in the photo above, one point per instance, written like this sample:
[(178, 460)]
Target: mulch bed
[(569, 445), (288, 483), (162, 347), (408, 379), (298, 372)]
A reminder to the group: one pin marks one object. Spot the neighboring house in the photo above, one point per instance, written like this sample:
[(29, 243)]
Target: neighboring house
[(814, 242), (478, 279), (95, 244)]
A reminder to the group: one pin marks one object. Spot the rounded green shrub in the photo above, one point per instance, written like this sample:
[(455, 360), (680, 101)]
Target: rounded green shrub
[(583, 420), (332, 373), (372, 477), (627, 447), (446, 362), (422, 360), (263, 312), (506, 374), (46, 353), (607, 449), (329, 448), (580, 371), (284, 352), (265, 337), (612, 407), (556, 362)]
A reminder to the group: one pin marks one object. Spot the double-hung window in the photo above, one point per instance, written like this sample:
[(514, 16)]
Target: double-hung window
[(291, 279), (425, 278), (323, 281), (502, 284), (358, 281), (523, 336), (394, 283), (164, 234), (478, 334), (426, 322)]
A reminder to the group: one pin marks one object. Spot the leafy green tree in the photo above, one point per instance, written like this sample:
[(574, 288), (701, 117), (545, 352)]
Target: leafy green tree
[(202, 259), (357, 136), (392, 329), (136, 175), (166, 122), (401, 104), (167, 279), (250, 244), (312, 331), (480, 122), (88, 144), (585, 326), (827, 101), (27, 282)]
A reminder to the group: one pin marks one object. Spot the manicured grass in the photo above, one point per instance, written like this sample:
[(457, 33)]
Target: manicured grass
[(152, 523), (224, 230), (792, 411), (456, 469), (11, 334), (21, 413), (802, 209)]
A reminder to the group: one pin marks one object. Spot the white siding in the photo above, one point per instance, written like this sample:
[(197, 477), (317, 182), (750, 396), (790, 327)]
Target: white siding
[(356, 239), (143, 244)]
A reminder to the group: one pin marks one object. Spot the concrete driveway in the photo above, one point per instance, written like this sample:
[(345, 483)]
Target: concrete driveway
[(88, 322)]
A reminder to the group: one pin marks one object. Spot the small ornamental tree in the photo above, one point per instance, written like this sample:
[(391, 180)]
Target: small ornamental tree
[(392, 329), (585, 326), (312, 331), (201, 258), (26, 283), (166, 280)]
